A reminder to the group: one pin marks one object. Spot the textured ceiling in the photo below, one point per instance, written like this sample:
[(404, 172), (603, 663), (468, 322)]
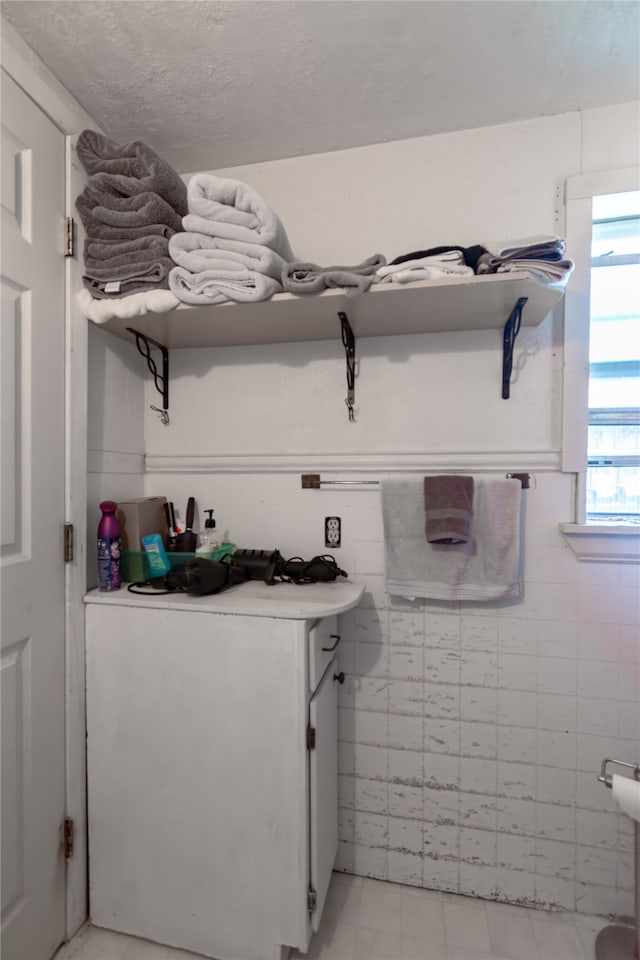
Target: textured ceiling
[(215, 84)]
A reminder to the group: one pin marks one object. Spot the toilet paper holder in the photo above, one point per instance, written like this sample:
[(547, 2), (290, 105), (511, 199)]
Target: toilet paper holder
[(606, 778)]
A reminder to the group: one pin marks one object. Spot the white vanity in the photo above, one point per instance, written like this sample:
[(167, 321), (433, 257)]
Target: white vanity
[(212, 764)]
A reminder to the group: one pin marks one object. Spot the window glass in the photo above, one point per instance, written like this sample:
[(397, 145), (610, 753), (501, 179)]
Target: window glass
[(613, 475)]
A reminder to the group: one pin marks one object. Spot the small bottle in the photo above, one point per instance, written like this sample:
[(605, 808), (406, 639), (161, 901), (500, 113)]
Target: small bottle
[(109, 546), (208, 538)]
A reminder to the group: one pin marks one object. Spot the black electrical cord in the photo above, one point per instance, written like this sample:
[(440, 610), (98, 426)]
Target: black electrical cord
[(305, 572), (154, 592)]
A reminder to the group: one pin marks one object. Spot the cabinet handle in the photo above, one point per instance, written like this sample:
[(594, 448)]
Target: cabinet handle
[(339, 676), (332, 636)]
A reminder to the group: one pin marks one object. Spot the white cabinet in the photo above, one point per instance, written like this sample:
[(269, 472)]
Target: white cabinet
[(212, 765)]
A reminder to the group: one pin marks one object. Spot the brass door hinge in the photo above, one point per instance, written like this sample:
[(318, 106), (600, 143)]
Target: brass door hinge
[(312, 900), (70, 237), (68, 838), (311, 737), (68, 543)]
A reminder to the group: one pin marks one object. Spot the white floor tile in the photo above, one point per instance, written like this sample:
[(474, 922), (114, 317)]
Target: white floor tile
[(173, 954), (467, 953), (93, 943), (137, 949), (343, 903), (412, 948), (512, 936), (466, 927), (558, 940), (375, 945), (422, 919), (334, 943), (367, 919), (380, 910)]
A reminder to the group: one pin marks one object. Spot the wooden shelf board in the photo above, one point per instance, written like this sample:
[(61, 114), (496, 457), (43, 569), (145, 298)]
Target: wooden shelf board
[(467, 303)]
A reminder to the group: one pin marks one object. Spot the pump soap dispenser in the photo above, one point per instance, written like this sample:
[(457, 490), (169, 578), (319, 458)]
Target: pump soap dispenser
[(208, 538)]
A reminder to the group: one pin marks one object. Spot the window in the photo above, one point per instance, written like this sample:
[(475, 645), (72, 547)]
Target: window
[(613, 446), (601, 371)]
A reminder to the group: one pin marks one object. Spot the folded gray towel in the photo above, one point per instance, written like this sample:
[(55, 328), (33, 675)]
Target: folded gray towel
[(103, 282), (112, 252), (311, 278), (109, 234), (129, 169), (448, 504), (98, 208)]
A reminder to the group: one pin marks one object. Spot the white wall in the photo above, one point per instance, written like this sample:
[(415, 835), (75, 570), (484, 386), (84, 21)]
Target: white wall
[(115, 430), (471, 735)]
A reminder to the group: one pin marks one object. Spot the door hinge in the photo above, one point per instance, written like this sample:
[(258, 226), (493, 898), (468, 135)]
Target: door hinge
[(312, 900), (68, 543), (68, 838), (311, 737), (70, 237)]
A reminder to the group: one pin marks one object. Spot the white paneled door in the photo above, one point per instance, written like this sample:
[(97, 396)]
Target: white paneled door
[(32, 508)]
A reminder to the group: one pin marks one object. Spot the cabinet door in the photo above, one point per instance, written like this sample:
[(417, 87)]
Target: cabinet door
[(323, 787)]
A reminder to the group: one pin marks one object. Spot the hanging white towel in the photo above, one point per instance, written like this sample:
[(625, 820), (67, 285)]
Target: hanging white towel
[(485, 568)]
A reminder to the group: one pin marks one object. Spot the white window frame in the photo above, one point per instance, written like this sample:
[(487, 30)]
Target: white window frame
[(593, 540)]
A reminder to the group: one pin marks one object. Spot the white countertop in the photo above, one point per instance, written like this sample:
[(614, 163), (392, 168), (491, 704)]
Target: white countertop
[(286, 601)]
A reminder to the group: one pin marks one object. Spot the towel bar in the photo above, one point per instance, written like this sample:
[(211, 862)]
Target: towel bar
[(313, 481)]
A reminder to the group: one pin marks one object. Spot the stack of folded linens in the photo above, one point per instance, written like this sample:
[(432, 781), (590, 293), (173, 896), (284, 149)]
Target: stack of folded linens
[(541, 255), (233, 247), (132, 204), (447, 262)]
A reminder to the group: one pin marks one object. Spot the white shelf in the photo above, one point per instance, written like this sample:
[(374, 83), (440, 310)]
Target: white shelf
[(467, 303)]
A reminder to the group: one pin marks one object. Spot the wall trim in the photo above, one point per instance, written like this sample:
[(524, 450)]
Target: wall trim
[(476, 461), (114, 461)]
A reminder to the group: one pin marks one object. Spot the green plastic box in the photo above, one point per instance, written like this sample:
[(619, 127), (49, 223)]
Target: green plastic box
[(134, 564)]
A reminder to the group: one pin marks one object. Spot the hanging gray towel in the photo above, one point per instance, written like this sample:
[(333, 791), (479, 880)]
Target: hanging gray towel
[(448, 504)]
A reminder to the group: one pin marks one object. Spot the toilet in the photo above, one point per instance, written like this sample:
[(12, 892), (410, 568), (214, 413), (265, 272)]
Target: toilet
[(616, 942)]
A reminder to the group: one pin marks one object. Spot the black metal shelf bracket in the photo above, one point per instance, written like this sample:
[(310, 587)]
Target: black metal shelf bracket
[(511, 331), (349, 343), (161, 380)]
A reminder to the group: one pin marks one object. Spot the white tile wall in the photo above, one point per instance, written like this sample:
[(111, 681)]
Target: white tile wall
[(471, 735), (498, 718)]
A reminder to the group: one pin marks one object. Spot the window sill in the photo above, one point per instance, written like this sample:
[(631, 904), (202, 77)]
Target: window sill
[(603, 542)]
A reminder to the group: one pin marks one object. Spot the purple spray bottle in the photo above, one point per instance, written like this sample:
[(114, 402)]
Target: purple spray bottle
[(109, 547)]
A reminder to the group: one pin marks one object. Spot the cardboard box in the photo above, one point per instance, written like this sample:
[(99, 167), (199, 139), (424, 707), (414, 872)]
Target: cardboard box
[(138, 518)]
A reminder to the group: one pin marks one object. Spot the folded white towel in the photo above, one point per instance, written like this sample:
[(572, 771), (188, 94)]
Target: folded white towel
[(218, 286), (554, 273), (485, 568), (197, 252), (124, 308), (428, 268), (539, 242), (235, 211)]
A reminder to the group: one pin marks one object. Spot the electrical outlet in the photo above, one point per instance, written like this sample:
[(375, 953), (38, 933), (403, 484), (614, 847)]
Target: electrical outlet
[(332, 531)]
